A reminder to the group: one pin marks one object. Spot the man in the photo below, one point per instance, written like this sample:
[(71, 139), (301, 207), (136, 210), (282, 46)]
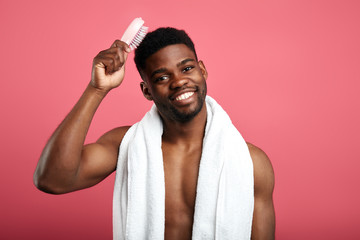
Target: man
[(176, 81)]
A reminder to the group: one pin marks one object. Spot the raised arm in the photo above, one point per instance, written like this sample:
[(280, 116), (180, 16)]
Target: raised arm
[(264, 215), (66, 164)]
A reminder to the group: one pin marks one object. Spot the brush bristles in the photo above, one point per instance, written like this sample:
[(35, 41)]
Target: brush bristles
[(138, 37)]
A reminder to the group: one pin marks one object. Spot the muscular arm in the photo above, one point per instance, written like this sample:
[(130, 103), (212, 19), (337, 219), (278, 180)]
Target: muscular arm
[(66, 164), (264, 215)]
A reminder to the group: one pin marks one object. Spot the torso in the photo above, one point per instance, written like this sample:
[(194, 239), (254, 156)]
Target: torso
[(181, 167)]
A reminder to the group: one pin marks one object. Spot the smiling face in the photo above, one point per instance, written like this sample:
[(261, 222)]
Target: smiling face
[(176, 82)]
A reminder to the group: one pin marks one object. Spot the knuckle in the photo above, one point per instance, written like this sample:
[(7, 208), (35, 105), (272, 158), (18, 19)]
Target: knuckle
[(111, 61)]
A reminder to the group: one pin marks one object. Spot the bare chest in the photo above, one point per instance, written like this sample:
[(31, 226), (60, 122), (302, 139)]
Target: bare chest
[(181, 169)]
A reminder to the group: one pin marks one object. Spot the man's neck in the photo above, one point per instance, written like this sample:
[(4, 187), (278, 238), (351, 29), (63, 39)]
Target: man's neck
[(185, 132)]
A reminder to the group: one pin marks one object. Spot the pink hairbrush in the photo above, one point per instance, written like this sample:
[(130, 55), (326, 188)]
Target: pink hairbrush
[(135, 33)]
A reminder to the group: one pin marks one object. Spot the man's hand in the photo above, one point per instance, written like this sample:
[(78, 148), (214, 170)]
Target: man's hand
[(108, 69)]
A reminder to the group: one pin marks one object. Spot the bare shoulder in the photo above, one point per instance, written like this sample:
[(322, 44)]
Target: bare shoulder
[(104, 151), (113, 137), (263, 226), (259, 157), (100, 158), (263, 170)]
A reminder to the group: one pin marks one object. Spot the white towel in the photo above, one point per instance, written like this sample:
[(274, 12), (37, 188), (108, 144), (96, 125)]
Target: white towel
[(225, 189)]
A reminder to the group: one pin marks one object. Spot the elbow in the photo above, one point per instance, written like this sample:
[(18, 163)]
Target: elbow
[(46, 186)]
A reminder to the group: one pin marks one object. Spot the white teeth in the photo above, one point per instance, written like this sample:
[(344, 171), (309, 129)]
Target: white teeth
[(184, 96)]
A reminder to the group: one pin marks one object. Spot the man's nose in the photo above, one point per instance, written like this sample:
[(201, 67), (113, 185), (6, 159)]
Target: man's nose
[(178, 81)]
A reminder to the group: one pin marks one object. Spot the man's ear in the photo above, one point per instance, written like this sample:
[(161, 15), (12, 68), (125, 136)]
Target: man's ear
[(146, 91), (203, 69)]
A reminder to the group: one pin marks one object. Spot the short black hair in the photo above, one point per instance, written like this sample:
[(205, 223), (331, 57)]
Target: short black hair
[(158, 39)]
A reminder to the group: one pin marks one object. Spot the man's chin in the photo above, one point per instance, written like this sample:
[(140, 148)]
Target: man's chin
[(185, 115), (181, 113)]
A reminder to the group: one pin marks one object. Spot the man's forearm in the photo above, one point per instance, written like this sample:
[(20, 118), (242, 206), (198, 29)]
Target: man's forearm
[(60, 159)]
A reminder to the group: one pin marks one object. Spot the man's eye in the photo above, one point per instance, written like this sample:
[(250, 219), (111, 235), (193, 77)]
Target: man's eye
[(188, 68), (162, 78)]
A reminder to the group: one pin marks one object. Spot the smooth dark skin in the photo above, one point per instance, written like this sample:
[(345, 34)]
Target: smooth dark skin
[(67, 165)]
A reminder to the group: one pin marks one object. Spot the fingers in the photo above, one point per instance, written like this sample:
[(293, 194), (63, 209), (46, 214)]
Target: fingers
[(122, 45), (112, 59)]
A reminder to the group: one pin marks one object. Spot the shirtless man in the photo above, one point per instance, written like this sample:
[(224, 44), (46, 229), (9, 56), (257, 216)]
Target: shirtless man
[(67, 165)]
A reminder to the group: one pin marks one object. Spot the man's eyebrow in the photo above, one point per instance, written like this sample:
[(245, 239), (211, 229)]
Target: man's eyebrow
[(160, 70), (185, 61)]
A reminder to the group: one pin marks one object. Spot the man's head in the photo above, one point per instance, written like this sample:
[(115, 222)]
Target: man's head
[(158, 39), (172, 75)]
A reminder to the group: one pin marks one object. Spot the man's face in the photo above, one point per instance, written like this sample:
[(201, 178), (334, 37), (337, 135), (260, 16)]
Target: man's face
[(176, 82)]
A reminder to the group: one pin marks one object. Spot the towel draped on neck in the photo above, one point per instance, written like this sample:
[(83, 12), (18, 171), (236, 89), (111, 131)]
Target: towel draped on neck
[(225, 189)]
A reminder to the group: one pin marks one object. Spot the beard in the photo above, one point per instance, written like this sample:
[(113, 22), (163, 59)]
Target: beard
[(175, 114)]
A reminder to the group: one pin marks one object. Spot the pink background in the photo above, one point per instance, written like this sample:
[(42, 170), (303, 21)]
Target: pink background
[(287, 72)]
